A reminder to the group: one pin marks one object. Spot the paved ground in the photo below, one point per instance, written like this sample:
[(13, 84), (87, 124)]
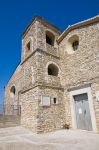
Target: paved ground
[(18, 138)]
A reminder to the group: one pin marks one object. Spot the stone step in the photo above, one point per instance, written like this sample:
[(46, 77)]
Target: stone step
[(9, 121)]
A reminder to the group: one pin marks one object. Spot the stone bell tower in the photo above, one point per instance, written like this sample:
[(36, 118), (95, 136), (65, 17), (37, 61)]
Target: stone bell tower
[(42, 95)]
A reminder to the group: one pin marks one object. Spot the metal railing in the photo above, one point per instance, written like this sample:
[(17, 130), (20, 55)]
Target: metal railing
[(6, 109)]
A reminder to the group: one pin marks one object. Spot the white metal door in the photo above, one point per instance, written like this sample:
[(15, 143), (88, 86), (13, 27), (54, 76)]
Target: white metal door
[(83, 117)]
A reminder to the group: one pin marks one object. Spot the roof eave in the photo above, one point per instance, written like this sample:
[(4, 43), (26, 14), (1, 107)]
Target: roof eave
[(39, 18), (77, 25)]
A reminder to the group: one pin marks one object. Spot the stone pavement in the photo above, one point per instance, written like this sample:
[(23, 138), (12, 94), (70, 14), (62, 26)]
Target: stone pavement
[(19, 138)]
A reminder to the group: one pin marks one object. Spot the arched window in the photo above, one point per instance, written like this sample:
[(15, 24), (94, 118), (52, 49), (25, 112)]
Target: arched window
[(12, 91), (50, 38), (72, 44), (75, 45), (53, 70), (28, 46), (74, 41)]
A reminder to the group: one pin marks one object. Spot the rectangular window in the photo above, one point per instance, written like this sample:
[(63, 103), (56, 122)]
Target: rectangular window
[(55, 100)]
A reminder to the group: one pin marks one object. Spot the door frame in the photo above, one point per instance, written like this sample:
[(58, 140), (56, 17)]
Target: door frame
[(91, 108)]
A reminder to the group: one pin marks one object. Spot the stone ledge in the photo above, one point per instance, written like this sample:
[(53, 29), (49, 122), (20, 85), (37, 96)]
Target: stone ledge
[(79, 87), (39, 50), (82, 83), (40, 85)]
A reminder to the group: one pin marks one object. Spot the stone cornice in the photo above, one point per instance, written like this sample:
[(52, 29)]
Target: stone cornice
[(39, 50), (82, 84), (26, 89), (79, 87)]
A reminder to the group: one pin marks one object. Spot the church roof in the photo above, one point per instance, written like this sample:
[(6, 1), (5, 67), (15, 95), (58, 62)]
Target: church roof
[(43, 21), (78, 25), (66, 31)]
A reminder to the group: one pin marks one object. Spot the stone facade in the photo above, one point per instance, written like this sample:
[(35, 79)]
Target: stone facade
[(74, 61)]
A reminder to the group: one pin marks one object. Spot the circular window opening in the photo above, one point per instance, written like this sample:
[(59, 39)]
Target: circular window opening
[(53, 70), (12, 91)]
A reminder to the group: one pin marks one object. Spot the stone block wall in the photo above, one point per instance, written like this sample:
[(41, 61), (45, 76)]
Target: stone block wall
[(42, 27), (41, 118), (29, 109), (82, 66), (29, 36), (94, 89), (51, 117), (43, 60), (17, 81)]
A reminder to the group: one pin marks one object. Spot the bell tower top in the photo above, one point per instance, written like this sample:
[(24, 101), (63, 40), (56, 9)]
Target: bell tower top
[(37, 34)]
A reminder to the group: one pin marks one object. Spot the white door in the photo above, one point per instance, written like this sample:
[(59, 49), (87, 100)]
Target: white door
[(83, 118)]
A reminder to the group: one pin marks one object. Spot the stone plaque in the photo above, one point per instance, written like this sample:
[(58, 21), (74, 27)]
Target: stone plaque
[(45, 101)]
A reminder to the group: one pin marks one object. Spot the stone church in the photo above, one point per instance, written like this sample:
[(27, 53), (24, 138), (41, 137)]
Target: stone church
[(57, 80)]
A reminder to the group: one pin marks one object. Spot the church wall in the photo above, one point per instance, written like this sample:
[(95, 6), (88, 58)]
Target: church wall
[(81, 67), (51, 117), (17, 81), (77, 68), (29, 109)]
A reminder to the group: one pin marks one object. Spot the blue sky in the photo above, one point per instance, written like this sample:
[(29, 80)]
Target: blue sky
[(16, 14)]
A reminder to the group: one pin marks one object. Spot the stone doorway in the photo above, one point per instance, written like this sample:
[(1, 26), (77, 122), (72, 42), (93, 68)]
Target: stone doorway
[(82, 111)]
